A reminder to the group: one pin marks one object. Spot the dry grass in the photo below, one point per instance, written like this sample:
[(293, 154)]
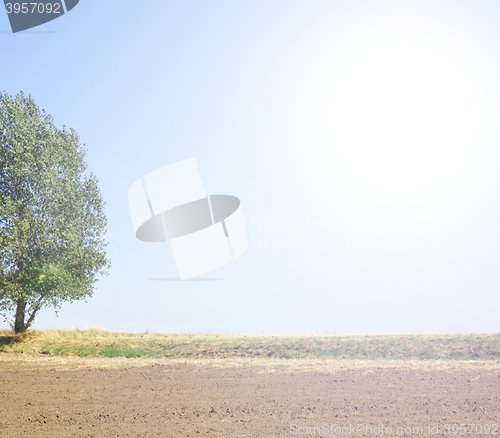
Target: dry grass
[(266, 365), (99, 342)]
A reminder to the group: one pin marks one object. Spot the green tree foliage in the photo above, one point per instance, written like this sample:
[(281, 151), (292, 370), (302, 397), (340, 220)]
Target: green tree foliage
[(51, 214)]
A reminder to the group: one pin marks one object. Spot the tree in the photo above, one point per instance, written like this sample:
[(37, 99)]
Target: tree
[(51, 214)]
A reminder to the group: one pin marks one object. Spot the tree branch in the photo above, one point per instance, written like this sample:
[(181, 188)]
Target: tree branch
[(36, 308)]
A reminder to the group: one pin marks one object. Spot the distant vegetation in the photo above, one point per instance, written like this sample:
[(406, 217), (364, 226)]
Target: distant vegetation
[(96, 342)]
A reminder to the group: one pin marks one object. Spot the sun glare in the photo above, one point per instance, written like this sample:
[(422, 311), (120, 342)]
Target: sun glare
[(404, 120)]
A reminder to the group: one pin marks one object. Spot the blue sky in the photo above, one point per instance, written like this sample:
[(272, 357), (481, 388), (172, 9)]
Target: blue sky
[(361, 137)]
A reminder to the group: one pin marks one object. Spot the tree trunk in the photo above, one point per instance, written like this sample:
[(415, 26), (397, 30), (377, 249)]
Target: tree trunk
[(19, 326)]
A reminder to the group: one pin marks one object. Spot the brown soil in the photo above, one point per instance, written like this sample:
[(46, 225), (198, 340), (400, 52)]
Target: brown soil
[(44, 396)]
